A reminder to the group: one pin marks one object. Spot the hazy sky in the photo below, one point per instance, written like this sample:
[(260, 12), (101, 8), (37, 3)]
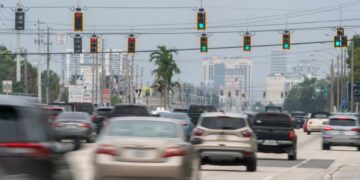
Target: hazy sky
[(232, 15)]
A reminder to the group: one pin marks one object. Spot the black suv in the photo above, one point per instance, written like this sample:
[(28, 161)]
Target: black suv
[(196, 110), (275, 134), (28, 149), (121, 110)]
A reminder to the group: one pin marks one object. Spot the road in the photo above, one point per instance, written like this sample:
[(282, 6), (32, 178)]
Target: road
[(313, 163)]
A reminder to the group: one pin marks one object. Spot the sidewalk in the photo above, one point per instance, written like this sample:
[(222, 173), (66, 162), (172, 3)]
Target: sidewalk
[(346, 172)]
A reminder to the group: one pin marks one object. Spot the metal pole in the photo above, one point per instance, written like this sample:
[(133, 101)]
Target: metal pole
[(352, 76), (338, 106), (48, 66), (332, 86), (18, 67), (39, 64), (132, 80), (93, 79), (97, 79), (110, 76), (26, 72)]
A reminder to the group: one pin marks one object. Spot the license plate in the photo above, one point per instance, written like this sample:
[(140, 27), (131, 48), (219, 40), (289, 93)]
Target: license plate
[(349, 133), (270, 142), (71, 126), (221, 138), (139, 154)]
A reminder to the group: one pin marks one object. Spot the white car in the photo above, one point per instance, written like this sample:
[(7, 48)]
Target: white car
[(316, 122)]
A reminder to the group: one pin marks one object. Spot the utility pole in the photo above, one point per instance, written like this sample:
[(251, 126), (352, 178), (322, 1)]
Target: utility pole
[(331, 86), (102, 79), (93, 78), (18, 66), (97, 79), (132, 80), (39, 41), (110, 76), (352, 76), (341, 78), (338, 105), (26, 72), (48, 66)]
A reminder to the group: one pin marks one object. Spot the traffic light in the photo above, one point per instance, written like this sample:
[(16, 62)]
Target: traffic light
[(94, 44), (337, 41), (19, 19), (340, 40), (204, 43), (78, 21), (247, 42), (77, 44), (344, 41), (286, 40), (131, 44), (201, 19)]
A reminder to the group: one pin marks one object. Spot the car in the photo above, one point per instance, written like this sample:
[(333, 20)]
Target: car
[(53, 112), (196, 110), (121, 110), (101, 114), (74, 125), (226, 139), (145, 148), (298, 121), (341, 130), (275, 134), (184, 118), (316, 122), (28, 149)]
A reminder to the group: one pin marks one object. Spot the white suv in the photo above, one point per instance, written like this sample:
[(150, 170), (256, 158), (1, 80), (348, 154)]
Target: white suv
[(226, 138)]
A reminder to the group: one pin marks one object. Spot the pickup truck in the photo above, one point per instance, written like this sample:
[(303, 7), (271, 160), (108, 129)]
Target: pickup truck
[(275, 134)]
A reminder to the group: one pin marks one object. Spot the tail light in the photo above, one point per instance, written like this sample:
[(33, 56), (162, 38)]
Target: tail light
[(247, 133), (327, 128), (93, 117), (85, 125), (173, 151), (291, 135), (26, 149), (248, 154), (56, 124), (355, 129), (107, 150), (198, 132)]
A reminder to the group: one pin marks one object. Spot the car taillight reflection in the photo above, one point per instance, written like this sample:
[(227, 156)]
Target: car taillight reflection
[(85, 125), (107, 150), (198, 132), (327, 128), (355, 129), (173, 151), (25, 149)]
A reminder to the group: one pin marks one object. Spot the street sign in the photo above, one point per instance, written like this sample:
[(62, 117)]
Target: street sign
[(356, 92), (7, 87)]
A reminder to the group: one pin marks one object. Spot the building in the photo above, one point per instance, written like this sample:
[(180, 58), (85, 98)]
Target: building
[(275, 89), (232, 76), (278, 64)]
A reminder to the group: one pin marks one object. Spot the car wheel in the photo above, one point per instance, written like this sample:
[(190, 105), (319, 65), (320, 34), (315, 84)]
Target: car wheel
[(292, 155), (325, 146), (252, 165), (358, 148), (308, 133), (92, 138)]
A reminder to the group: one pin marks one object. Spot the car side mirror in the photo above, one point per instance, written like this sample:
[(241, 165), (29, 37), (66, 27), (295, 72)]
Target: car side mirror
[(196, 141)]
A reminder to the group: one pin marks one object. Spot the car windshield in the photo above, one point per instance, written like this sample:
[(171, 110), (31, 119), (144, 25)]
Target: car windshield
[(130, 111), (180, 116), (226, 123), (72, 116), (342, 122), (278, 120), (137, 128)]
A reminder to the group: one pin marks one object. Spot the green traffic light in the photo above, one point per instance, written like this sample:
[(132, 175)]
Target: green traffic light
[(247, 47), (201, 25), (286, 46), (338, 43), (203, 48)]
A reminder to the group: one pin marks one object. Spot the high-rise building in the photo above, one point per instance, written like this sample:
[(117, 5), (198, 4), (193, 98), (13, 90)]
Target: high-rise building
[(278, 62), (275, 89)]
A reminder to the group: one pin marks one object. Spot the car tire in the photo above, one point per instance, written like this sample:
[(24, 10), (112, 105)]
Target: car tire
[(325, 146), (292, 156), (358, 148), (308, 133), (92, 138), (252, 165)]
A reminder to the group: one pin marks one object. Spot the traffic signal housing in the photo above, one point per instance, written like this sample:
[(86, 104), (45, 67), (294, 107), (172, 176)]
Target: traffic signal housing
[(340, 40), (131, 44), (247, 42), (201, 19), (204, 43), (286, 40), (19, 19), (77, 44), (94, 44), (78, 21)]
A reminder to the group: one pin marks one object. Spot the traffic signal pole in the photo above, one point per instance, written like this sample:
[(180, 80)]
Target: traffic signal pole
[(352, 76)]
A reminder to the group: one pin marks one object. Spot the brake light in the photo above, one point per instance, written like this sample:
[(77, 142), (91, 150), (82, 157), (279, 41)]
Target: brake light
[(27, 149), (107, 150), (247, 133), (198, 132), (173, 151), (93, 117), (248, 154), (355, 129), (291, 135), (327, 128), (85, 125)]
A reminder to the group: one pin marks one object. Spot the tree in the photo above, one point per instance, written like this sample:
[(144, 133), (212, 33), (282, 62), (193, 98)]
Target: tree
[(356, 40), (166, 68), (304, 97), (54, 85)]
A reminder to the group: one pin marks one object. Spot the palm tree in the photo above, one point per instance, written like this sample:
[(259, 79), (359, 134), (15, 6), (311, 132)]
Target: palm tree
[(166, 69)]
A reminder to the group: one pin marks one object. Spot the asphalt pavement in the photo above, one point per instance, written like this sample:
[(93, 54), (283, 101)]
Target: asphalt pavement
[(340, 163)]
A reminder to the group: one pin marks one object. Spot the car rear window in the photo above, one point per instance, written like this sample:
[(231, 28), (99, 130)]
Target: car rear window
[(320, 116), (277, 120), (129, 111), (342, 122), (10, 125), (180, 116), (137, 128), (226, 123), (72, 116)]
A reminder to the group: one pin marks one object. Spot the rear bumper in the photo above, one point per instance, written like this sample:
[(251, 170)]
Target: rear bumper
[(62, 133), (314, 128), (106, 167), (342, 142), (281, 147)]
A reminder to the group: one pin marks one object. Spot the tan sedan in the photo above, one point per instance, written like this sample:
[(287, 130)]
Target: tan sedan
[(145, 148)]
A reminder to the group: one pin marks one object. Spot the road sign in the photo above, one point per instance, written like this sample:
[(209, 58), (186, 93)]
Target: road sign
[(7, 87), (356, 92)]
